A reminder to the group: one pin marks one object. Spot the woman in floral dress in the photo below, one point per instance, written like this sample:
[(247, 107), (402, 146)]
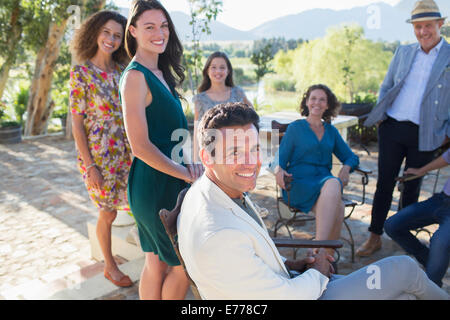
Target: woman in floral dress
[(104, 154)]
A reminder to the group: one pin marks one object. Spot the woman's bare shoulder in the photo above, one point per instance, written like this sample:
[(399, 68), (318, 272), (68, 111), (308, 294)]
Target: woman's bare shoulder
[(132, 80)]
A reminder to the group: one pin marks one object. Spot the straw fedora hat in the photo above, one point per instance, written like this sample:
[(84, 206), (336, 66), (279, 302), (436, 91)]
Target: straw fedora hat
[(425, 10)]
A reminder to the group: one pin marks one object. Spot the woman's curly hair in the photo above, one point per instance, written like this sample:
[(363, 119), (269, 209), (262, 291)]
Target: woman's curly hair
[(333, 104), (84, 44)]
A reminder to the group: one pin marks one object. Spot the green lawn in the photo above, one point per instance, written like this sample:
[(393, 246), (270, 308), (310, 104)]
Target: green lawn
[(275, 101), (245, 64)]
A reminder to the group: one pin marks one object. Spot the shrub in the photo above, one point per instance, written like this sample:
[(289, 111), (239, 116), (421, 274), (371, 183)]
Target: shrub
[(60, 113), (367, 97), (240, 78), (5, 120), (2, 111), (360, 133), (283, 85), (5, 124), (20, 103)]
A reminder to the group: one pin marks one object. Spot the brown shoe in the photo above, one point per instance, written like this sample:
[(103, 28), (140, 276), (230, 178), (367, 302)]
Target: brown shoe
[(125, 281), (368, 248)]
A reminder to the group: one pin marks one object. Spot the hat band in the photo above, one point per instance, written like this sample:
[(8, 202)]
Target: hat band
[(426, 14)]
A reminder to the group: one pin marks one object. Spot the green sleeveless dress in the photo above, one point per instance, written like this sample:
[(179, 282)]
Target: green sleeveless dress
[(150, 190)]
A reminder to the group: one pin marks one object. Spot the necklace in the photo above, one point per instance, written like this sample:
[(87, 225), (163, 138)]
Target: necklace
[(108, 69)]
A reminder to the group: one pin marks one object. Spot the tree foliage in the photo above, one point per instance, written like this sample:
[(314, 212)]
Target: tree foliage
[(9, 16), (445, 31), (341, 59), (24, 27), (277, 44), (261, 59), (54, 15), (11, 25)]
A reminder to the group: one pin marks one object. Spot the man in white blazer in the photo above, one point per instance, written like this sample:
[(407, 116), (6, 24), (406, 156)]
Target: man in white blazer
[(227, 249)]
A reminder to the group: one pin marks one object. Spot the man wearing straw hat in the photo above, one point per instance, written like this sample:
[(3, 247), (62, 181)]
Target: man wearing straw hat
[(412, 112)]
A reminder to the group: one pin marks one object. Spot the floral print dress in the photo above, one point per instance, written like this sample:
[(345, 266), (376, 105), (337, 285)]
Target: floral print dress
[(94, 94)]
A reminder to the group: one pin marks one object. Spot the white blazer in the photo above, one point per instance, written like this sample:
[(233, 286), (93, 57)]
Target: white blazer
[(230, 256)]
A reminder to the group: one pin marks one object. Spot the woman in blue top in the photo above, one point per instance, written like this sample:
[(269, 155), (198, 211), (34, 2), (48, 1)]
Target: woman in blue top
[(306, 154)]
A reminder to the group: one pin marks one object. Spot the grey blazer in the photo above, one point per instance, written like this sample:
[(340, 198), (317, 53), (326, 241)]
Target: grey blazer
[(435, 107)]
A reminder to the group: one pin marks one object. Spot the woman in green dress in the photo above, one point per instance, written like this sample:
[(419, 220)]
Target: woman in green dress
[(152, 112)]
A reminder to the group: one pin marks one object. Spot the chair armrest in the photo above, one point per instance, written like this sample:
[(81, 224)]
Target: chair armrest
[(300, 243), (363, 170), (407, 177), (287, 182), (364, 181)]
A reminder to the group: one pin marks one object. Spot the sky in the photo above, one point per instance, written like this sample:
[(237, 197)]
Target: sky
[(243, 15)]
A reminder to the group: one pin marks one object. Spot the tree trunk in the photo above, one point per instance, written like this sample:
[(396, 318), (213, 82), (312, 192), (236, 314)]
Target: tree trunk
[(191, 82), (14, 38), (39, 106), (4, 75)]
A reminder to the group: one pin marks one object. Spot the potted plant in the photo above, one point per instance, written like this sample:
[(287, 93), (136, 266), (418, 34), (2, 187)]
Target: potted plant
[(361, 107), (10, 130)]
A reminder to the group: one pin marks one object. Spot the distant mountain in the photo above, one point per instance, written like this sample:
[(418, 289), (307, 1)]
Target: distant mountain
[(312, 24), (124, 11), (219, 31)]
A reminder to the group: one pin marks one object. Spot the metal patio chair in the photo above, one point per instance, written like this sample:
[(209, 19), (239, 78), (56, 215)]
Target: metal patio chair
[(291, 216)]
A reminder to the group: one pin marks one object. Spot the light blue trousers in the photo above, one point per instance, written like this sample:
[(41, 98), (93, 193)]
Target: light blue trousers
[(392, 278)]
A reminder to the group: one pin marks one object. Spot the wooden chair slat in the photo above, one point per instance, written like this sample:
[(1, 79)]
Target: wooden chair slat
[(299, 243)]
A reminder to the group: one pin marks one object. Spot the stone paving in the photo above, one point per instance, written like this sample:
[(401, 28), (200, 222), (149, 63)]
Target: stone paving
[(44, 207)]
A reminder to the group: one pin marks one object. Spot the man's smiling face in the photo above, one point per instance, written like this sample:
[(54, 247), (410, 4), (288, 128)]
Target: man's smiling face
[(428, 33), (236, 162)]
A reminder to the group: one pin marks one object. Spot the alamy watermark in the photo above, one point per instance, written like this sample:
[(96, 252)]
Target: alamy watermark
[(374, 280), (374, 17), (233, 146), (74, 20)]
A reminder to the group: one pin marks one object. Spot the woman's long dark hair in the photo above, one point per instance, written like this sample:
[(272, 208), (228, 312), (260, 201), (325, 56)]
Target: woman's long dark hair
[(169, 61), (206, 82), (333, 104)]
